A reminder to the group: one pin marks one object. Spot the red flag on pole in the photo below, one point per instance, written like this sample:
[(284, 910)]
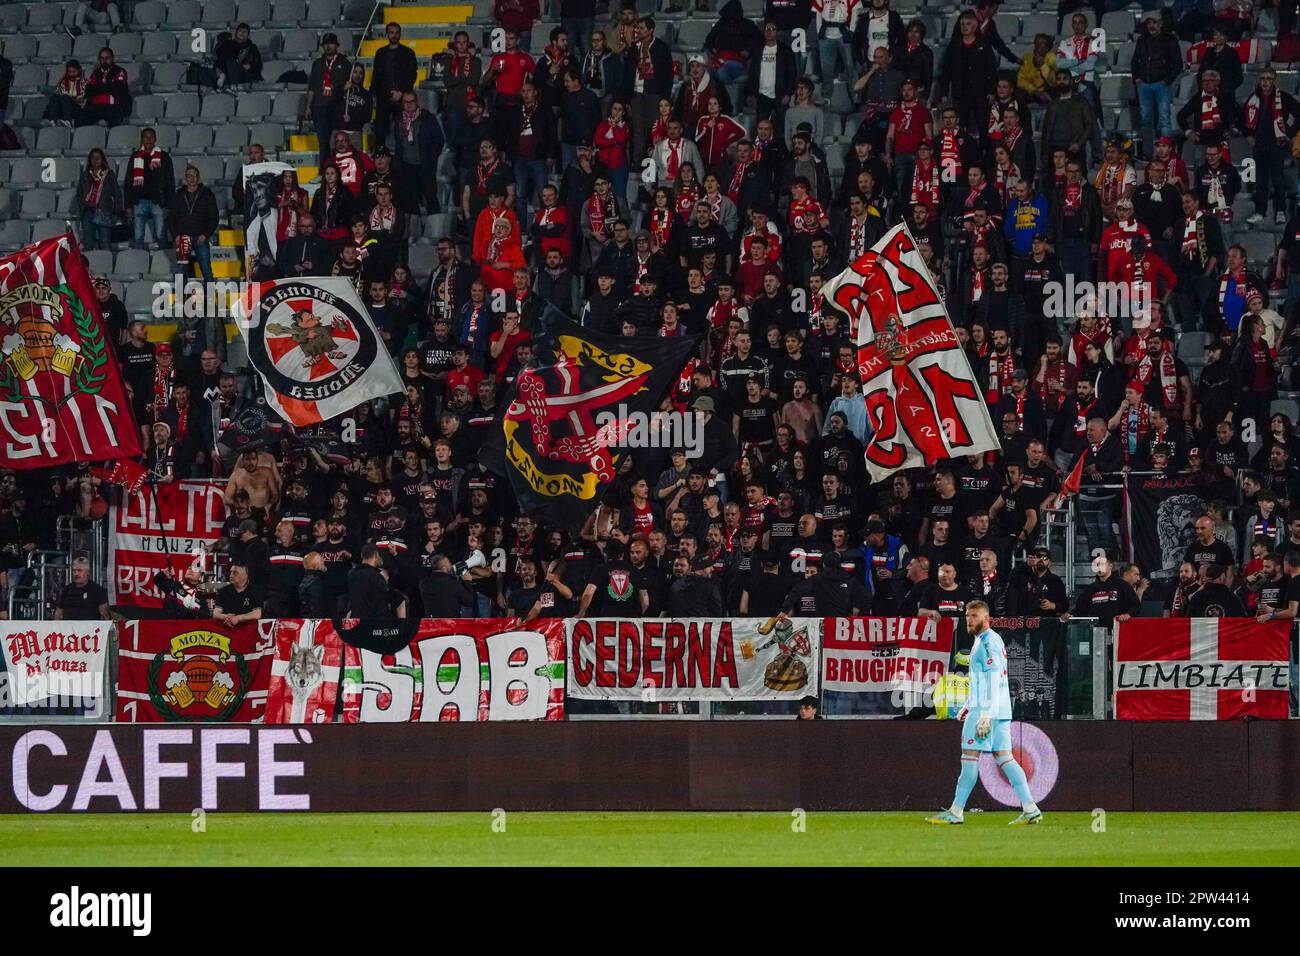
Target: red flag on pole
[(61, 393), (1073, 480)]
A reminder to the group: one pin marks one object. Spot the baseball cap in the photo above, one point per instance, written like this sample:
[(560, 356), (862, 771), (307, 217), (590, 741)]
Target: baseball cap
[(164, 348), (703, 404), (1165, 141), (329, 38)]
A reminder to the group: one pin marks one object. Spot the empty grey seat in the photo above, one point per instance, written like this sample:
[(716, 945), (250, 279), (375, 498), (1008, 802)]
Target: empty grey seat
[(25, 171), (184, 107), (161, 263), (158, 46), (99, 261), (14, 233), (288, 105), (48, 229), (210, 169), (254, 11), (254, 106), (150, 13), (12, 16), (53, 141), (88, 138), (321, 13), (55, 48), (1008, 25), (194, 138), (60, 172), (43, 17), (230, 138), (63, 201), (121, 139), (1036, 23), (691, 34), (216, 108), (441, 225), (131, 263), (147, 108), (1119, 24), (87, 46), (183, 13), (139, 298), (168, 76), (220, 13), (36, 204), (125, 45), (421, 260), (299, 43), (8, 199), (1116, 90), (270, 135), (288, 13), (29, 78), (18, 49)]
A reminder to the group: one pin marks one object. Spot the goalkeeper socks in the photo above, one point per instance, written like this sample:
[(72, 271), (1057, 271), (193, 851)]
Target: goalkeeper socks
[(970, 772), (1016, 775)]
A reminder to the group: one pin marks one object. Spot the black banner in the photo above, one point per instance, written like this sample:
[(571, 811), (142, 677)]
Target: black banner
[(569, 418), (1161, 518)]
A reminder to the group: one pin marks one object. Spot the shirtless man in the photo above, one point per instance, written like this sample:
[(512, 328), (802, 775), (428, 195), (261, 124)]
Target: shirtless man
[(259, 475)]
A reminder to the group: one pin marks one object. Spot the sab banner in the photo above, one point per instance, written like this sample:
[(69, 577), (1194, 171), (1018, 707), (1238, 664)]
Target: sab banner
[(1202, 668), (889, 662), (1161, 520), (922, 398), (188, 514), (305, 672), (477, 669), (193, 671), (315, 347), (61, 393), (694, 659), (63, 660)]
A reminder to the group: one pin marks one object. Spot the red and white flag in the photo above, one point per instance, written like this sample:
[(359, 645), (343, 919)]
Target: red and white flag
[(1202, 668), (1073, 481), (317, 350), (923, 404), (62, 398)]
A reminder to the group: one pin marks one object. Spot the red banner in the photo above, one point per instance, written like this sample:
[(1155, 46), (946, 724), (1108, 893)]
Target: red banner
[(922, 400), (161, 526), (892, 661), (305, 673), (482, 669), (61, 393), (193, 671), (1204, 668)]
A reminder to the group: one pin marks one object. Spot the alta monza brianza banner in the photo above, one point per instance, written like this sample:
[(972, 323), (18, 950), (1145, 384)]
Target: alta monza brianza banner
[(694, 659)]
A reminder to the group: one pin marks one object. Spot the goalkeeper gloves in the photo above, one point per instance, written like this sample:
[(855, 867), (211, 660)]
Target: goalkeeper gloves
[(983, 726)]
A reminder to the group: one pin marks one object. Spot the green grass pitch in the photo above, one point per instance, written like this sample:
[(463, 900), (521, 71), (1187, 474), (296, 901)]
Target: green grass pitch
[(651, 839)]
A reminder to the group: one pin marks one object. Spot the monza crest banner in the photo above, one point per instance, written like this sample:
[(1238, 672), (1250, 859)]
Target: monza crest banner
[(694, 658), (557, 441), (454, 670), (62, 398), (312, 342), (162, 526), (1202, 668), (193, 671), (922, 399)]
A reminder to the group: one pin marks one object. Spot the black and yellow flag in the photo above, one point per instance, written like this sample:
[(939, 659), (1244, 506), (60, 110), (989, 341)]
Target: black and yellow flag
[(564, 427)]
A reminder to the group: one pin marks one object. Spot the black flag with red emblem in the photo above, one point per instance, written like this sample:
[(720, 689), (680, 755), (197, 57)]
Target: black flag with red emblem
[(588, 400)]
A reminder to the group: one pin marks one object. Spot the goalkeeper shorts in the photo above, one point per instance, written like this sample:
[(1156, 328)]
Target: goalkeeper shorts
[(998, 739)]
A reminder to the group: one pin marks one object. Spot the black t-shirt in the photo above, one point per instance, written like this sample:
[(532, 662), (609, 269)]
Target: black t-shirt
[(954, 509), (978, 488), (1216, 552), (232, 601), (1215, 600), (617, 593), (757, 420), (1273, 594), (1011, 519), (948, 603), (82, 603)]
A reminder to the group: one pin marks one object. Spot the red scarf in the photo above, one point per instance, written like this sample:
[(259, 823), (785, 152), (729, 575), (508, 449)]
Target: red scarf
[(857, 238), (721, 313), (1133, 425), (686, 200), (1081, 419), (383, 220), (406, 123), (602, 212), (950, 150), (661, 225), (138, 159), (97, 178), (1209, 111), (484, 175), (1000, 370), (737, 180), (1254, 108), (925, 186), (1073, 196), (674, 158), (1110, 182), (1168, 374), (327, 81)]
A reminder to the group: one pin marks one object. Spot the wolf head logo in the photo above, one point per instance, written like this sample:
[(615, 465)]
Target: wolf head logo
[(305, 670)]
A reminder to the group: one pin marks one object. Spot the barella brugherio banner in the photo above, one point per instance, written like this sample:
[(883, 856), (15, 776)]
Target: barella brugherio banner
[(452, 670), (888, 663), (1162, 513), (694, 658)]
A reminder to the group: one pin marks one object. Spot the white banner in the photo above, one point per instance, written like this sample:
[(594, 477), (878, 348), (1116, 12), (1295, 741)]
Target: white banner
[(315, 347), (923, 404), (262, 184), (693, 659), (60, 659)]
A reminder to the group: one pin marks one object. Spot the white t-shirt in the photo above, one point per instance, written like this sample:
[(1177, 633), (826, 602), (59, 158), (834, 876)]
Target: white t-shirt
[(767, 73)]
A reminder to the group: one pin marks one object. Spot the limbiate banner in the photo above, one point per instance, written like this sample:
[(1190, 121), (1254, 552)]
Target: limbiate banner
[(428, 670), (891, 662), (1202, 668), (694, 658), (160, 526), (193, 671), (46, 661)]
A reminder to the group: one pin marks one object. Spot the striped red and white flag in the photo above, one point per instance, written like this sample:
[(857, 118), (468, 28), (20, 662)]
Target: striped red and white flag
[(1204, 668)]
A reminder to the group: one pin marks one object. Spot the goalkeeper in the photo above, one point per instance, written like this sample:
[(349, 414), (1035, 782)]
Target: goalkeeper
[(986, 721)]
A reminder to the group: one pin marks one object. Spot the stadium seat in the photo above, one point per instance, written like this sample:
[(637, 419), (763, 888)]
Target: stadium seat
[(321, 13), (52, 141), (148, 109), (195, 138), (158, 46), (18, 49), (56, 48), (36, 204), (162, 263), (87, 138), (1036, 23), (422, 259), (131, 264), (168, 76), (139, 298), (14, 233), (48, 229), (270, 135), (253, 106), (122, 140), (44, 17), (184, 107), (217, 108), (288, 13), (99, 261), (230, 138), (24, 171), (254, 11), (288, 106), (149, 14), (183, 13), (29, 78), (220, 14), (12, 17)]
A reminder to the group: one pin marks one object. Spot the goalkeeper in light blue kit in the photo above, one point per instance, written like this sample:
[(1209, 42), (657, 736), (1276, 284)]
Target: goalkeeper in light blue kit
[(986, 721)]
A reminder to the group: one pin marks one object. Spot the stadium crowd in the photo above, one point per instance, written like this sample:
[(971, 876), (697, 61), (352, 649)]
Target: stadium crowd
[(592, 177)]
